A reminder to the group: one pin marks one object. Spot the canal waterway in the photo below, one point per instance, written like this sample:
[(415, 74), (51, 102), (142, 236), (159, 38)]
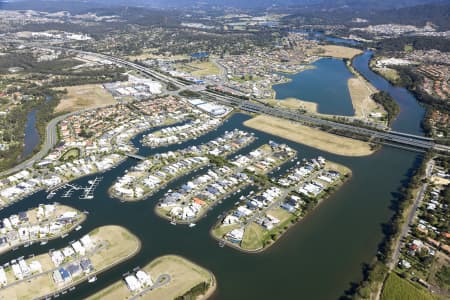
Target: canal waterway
[(411, 112), (318, 258), (324, 84), (31, 138)]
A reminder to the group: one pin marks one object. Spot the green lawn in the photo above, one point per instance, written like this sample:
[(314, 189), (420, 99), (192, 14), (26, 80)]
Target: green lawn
[(70, 154), (397, 288), (253, 237), (220, 231)]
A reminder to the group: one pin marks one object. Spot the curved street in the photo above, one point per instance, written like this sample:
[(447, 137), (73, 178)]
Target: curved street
[(51, 138)]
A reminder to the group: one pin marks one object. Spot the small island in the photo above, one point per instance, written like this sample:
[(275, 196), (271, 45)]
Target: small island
[(57, 271), (167, 277)]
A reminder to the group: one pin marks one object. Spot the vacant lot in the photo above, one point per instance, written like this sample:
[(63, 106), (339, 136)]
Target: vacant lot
[(184, 275), (253, 237), (84, 96), (312, 137), (397, 288), (200, 68), (339, 51), (360, 92)]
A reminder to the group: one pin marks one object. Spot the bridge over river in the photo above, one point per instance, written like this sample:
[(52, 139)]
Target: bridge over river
[(389, 137)]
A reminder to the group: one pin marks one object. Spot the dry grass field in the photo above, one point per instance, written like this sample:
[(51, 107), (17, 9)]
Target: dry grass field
[(360, 92), (184, 275), (310, 136), (339, 51), (84, 96)]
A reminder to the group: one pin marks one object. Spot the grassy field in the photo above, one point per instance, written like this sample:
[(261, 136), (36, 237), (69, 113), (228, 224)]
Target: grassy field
[(220, 231), (200, 68), (389, 74), (310, 136), (253, 237), (280, 214), (184, 275), (121, 244), (360, 92), (293, 103), (397, 288), (70, 154), (84, 96), (339, 51)]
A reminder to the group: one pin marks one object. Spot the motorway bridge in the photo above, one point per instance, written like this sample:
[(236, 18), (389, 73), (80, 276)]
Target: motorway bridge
[(409, 141)]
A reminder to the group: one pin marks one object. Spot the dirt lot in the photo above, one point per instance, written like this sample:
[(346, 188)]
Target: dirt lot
[(84, 96)]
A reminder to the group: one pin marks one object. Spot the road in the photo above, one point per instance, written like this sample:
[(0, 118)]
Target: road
[(377, 135), (160, 281), (409, 221), (409, 140), (51, 138)]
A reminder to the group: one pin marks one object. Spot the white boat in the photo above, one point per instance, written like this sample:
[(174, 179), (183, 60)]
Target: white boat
[(78, 228), (64, 235), (92, 279), (173, 223), (192, 225)]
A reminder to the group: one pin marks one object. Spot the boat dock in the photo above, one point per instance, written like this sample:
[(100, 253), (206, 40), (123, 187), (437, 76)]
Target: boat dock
[(88, 192)]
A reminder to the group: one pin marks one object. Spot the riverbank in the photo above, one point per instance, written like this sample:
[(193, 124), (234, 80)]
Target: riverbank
[(311, 137), (292, 201), (184, 276), (300, 96), (108, 246)]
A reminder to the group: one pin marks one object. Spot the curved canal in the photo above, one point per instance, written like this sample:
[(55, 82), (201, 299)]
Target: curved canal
[(317, 259)]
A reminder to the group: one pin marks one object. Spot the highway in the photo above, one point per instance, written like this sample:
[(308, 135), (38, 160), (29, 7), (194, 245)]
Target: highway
[(410, 140)]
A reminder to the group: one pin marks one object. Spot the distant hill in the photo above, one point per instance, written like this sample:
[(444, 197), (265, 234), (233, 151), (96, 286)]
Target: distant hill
[(75, 5), (437, 13)]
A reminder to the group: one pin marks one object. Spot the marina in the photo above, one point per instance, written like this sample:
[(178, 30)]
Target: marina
[(300, 259)]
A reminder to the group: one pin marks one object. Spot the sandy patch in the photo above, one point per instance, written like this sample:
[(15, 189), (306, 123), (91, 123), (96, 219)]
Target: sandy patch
[(339, 51), (312, 137)]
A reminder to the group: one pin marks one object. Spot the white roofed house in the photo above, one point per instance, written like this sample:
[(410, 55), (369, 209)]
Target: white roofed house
[(132, 283), (68, 251), (87, 242), (79, 249), (144, 278), (57, 257), (3, 279)]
